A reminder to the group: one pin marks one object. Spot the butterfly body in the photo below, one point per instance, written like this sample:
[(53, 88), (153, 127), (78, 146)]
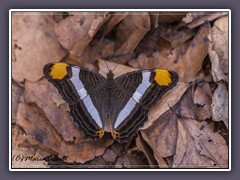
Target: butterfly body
[(126, 99), (109, 92)]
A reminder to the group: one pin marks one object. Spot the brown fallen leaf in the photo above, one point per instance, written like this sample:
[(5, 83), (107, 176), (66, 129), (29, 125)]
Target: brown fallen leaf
[(130, 32), (17, 91), (113, 21), (220, 104), (218, 49), (17, 135), (187, 128), (170, 17), (198, 18), (76, 31), (199, 147), (144, 147), (161, 137), (203, 100), (191, 61), (33, 45), (129, 161), (109, 156)]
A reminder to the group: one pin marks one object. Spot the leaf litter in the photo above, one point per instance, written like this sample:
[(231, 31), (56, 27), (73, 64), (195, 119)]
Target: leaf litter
[(182, 130)]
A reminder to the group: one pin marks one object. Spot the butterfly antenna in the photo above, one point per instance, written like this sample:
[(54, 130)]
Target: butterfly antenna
[(115, 56), (106, 65), (115, 67)]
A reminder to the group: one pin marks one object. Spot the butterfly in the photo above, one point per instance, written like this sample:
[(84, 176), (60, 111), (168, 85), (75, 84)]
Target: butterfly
[(126, 99)]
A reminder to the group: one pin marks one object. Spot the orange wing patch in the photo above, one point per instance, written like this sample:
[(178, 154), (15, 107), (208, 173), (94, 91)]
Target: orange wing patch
[(162, 77), (58, 70)]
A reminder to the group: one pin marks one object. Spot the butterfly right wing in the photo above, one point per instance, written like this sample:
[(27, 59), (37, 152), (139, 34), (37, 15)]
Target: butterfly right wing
[(84, 91), (135, 94)]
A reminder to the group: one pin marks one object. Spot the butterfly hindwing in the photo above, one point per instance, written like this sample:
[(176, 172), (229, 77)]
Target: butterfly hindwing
[(135, 93), (84, 91)]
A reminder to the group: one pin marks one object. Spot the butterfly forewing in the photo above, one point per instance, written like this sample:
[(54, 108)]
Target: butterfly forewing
[(84, 92)]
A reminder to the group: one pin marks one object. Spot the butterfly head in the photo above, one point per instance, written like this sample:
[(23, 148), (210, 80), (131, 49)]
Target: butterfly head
[(110, 75)]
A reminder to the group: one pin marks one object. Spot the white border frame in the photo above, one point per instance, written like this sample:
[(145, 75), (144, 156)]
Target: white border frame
[(112, 10)]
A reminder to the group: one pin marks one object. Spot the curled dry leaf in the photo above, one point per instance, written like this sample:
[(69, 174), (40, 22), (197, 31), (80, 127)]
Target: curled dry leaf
[(198, 18), (191, 61), (218, 50), (144, 147), (113, 21), (131, 31), (220, 104), (75, 32), (34, 44)]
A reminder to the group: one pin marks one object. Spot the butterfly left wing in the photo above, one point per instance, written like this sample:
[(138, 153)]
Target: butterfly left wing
[(83, 90), (135, 93)]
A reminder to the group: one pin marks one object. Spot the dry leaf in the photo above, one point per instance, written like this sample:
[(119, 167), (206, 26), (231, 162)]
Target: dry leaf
[(220, 104), (17, 91), (170, 17), (113, 21), (161, 137), (218, 50), (191, 62), (131, 31), (183, 128), (75, 32), (202, 101), (199, 147), (109, 156), (144, 147), (34, 44), (199, 18)]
